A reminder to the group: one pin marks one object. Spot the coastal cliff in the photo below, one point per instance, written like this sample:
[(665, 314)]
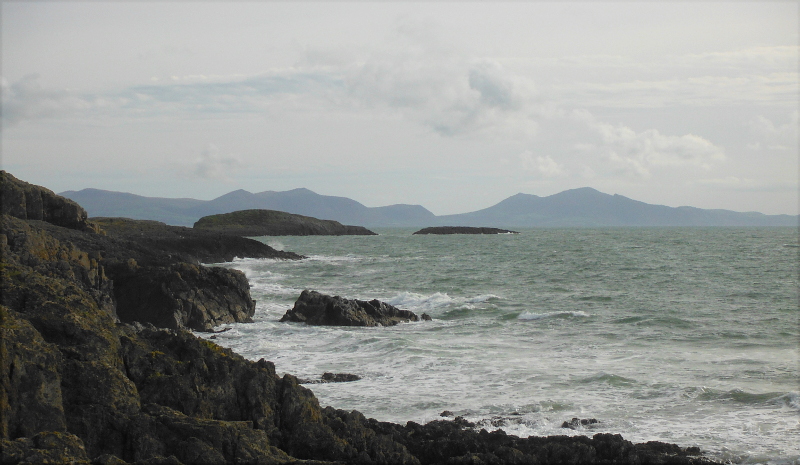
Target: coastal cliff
[(78, 385), (276, 223)]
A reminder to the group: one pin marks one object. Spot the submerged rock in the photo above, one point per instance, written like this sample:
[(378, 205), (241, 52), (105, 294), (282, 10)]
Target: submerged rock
[(318, 309), (463, 230)]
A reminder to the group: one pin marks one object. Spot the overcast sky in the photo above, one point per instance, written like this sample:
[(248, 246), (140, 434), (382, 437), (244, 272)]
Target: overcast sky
[(454, 106)]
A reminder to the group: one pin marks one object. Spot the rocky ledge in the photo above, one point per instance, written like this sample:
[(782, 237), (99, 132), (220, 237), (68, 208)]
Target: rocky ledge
[(314, 308), (275, 223), (463, 230), (78, 386)]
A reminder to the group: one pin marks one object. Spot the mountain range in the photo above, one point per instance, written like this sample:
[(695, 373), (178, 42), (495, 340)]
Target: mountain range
[(583, 207)]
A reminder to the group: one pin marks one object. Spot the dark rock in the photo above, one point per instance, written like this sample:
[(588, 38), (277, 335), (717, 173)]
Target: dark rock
[(276, 223), (314, 308), (30, 202), (183, 296), (44, 447), (187, 244), (331, 378), (446, 413), (577, 423), (463, 230), (426, 317)]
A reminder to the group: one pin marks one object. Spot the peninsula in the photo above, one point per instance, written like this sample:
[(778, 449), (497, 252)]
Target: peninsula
[(259, 222)]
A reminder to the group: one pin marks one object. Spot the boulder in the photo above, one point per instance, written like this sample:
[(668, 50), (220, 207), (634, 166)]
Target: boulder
[(314, 308)]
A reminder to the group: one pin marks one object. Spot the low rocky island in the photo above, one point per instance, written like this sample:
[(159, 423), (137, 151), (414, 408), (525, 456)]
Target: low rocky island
[(463, 230), (78, 384), (318, 309), (275, 223)]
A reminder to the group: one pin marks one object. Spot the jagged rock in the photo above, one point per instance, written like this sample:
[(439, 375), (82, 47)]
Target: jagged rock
[(463, 230), (183, 296), (30, 202), (54, 447), (276, 223), (31, 385), (314, 308)]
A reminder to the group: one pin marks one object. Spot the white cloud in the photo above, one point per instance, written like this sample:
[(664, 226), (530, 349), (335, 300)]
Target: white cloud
[(775, 136), (213, 165), (543, 166), (26, 100), (643, 152)]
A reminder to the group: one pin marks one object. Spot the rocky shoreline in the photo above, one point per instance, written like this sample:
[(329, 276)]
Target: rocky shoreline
[(97, 364)]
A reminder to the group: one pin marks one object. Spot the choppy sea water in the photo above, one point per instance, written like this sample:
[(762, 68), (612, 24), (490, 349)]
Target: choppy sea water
[(679, 335)]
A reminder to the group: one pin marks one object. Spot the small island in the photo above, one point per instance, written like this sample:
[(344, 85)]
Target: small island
[(463, 230), (276, 223)]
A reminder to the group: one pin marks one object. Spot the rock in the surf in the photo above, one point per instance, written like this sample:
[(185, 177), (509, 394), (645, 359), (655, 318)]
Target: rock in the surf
[(317, 309)]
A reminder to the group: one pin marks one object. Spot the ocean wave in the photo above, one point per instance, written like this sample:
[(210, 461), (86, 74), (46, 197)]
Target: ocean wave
[(334, 259), (436, 300), (789, 399), (529, 316)]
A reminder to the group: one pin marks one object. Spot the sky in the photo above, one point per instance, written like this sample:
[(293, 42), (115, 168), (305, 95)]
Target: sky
[(451, 105)]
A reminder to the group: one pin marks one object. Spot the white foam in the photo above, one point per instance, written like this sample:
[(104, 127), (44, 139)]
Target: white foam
[(528, 316), (437, 300)]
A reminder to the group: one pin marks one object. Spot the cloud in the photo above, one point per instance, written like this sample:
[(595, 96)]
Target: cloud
[(27, 100), (441, 87), (643, 152), (214, 166), (543, 166), (775, 136)]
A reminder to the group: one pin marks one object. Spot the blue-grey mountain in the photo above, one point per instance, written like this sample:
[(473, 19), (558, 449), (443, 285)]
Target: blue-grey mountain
[(584, 207)]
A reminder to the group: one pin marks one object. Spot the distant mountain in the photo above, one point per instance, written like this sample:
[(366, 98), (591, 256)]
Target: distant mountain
[(587, 207), (584, 207), (185, 212)]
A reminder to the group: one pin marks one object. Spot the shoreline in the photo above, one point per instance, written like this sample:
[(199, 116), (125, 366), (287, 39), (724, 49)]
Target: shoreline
[(79, 385)]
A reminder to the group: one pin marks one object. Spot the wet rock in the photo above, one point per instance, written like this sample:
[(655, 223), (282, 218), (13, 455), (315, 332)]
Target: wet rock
[(426, 317), (331, 378), (314, 308), (577, 423)]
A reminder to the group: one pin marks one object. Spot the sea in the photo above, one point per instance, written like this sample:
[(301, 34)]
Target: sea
[(682, 335)]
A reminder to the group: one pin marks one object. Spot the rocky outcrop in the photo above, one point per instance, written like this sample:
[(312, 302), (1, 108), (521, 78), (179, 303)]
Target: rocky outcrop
[(187, 244), (182, 296), (30, 202), (276, 223), (314, 308), (463, 230)]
